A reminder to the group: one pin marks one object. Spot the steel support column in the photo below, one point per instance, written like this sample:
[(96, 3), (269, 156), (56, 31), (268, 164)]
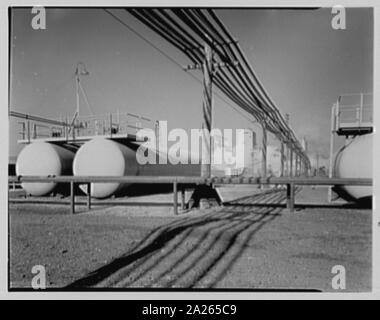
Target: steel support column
[(282, 159), (207, 69), (264, 152), (291, 163)]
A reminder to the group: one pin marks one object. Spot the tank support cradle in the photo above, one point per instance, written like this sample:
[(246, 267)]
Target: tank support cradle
[(204, 196)]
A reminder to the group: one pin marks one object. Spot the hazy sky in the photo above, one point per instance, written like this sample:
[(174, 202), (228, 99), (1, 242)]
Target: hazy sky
[(303, 63)]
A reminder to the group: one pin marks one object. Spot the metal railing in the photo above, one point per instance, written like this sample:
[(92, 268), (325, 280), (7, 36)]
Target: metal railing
[(109, 125), (179, 182), (354, 110)]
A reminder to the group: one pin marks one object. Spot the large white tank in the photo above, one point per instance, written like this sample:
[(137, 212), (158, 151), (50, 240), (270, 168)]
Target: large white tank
[(354, 160), (43, 159), (104, 157)]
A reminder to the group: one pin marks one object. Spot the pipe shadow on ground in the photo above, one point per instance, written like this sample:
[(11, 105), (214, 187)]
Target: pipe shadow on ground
[(210, 245)]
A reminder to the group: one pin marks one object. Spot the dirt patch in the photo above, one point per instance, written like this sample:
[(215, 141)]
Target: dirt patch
[(251, 243)]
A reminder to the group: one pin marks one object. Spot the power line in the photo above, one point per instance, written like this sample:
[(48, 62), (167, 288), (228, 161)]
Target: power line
[(170, 59)]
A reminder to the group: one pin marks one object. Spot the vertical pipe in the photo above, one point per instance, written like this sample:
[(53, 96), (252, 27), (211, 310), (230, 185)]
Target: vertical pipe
[(288, 170), (332, 131), (288, 198), (73, 130), (207, 69), (287, 160), (304, 168), (358, 117), (28, 130), (361, 109), (157, 132), (23, 130), (291, 163), (264, 152), (292, 197), (72, 197), (282, 159), (252, 153), (34, 131), (77, 90), (89, 196), (110, 124), (175, 198), (317, 174), (65, 130), (305, 160), (298, 165), (183, 200), (337, 115)]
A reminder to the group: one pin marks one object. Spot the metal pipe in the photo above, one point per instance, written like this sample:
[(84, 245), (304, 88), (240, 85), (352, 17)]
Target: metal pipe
[(207, 69), (282, 159), (292, 197), (72, 197), (332, 132), (89, 196), (183, 199), (291, 163), (175, 196), (195, 180), (264, 152)]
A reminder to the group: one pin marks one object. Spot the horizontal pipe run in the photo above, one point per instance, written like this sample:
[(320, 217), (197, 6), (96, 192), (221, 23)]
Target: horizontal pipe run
[(99, 203), (109, 179), (195, 180)]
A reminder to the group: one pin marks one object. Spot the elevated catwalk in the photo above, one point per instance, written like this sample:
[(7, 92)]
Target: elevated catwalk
[(351, 117)]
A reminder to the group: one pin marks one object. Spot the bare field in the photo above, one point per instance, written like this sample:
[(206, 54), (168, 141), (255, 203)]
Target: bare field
[(250, 243)]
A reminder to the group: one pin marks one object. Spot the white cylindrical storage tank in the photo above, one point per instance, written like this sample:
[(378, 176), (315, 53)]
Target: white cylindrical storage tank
[(354, 160), (43, 159), (105, 157)]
